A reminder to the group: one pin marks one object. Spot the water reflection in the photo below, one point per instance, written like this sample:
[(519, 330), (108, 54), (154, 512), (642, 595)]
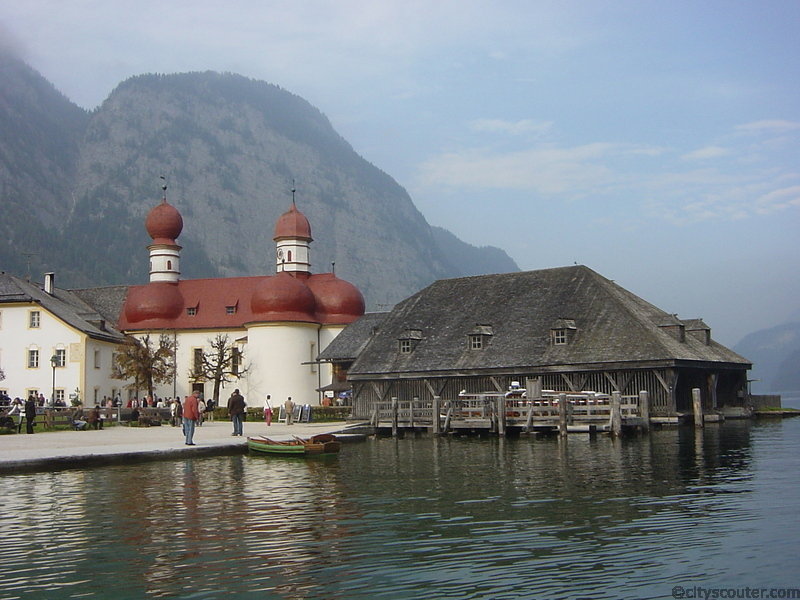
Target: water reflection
[(412, 518)]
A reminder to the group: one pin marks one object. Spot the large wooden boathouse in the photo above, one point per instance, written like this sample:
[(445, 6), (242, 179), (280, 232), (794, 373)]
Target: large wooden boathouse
[(567, 330)]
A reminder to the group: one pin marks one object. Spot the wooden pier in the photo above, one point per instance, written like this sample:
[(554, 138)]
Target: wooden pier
[(562, 412)]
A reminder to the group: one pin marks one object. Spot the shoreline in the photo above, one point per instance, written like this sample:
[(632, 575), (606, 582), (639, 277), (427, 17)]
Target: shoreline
[(60, 450)]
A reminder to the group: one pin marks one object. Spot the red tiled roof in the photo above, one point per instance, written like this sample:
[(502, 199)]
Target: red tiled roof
[(256, 299)]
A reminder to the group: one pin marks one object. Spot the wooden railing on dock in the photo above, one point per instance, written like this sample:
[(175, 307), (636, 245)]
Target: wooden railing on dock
[(562, 411)]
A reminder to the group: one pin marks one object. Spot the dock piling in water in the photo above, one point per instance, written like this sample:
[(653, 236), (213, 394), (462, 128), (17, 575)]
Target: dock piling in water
[(697, 407), (615, 420), (562, 415)]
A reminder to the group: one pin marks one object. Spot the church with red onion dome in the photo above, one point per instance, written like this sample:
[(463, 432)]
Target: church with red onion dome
[(277, 323)]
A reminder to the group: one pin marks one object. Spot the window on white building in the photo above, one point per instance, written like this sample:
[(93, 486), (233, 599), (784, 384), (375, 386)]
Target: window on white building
[(97, 359), (33, 359), (34, 319), (198, 360), (61, 396), (236, 360), (61, 357)]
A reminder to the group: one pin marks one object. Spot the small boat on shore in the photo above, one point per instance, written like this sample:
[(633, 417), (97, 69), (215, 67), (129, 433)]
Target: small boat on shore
[(325, 443)]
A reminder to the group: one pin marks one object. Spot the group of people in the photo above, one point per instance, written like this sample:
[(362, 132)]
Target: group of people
[(17, 410), (194, 409), (190, 413), (94, 420), (289, 409)]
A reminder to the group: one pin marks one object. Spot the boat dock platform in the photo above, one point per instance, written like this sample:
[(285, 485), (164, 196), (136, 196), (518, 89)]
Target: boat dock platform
[(561, 412)]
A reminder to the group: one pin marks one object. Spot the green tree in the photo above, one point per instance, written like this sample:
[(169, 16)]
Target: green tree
[(145, 362), (221, 364)]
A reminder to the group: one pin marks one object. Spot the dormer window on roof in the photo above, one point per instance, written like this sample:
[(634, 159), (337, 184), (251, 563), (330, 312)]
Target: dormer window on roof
[(479, 337), (562, 331), (674, 327), (191, 310), (408, 340), (698, 330), (230, 310)]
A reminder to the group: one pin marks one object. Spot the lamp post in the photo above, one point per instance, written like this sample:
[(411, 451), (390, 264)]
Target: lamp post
[(54, 362)]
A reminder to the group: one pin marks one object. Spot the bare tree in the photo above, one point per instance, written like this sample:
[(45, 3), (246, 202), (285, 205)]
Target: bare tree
[(221, 364), (145, 362)]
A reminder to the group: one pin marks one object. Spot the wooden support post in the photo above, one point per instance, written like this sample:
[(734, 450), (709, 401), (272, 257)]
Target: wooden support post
[(395, 406), (448, 416), (435, 422), (697, 407), (529, 420), (644, 409), (373, 418), (616, 414), (562, 415), (411, 411), (501, 415)]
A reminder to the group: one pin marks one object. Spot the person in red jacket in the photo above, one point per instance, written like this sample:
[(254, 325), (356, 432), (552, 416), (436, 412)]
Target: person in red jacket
[(191, 414)]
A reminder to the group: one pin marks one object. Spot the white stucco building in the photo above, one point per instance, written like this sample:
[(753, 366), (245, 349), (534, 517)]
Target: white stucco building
[(52, 342)]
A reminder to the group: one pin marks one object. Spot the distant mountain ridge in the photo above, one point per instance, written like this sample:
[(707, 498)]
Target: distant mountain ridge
[(775, 353), (78, 185)]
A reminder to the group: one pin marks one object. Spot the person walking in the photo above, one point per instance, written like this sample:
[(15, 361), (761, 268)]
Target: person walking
[(190, 416), (288, 406), (236, 408), (30, 413), (268, 411)]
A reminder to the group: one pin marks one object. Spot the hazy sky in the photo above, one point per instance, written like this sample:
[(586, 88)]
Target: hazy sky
[(655, 142)]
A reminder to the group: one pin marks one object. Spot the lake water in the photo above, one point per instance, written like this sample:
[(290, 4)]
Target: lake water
[(444, 518)]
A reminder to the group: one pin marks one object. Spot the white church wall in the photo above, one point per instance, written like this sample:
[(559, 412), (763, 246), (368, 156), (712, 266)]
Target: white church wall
[(187, 343), (281, 363)]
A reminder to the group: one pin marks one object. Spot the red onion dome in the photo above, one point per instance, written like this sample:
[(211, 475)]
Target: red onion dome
[(282, 297), (338, 301), (292, 224), (164, 223), (156, 300)]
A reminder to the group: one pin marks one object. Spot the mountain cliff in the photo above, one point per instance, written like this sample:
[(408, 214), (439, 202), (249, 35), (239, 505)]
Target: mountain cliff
[(231, 149), (775, 353)]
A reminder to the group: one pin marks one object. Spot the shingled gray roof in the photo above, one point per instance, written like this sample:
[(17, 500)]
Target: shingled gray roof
[(64, 304), (611, 326), (352, 340)]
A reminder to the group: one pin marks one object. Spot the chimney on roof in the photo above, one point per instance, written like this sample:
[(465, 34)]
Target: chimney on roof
[(49, 283)]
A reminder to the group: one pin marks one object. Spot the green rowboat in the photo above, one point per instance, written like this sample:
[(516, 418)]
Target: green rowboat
[(324, 443)]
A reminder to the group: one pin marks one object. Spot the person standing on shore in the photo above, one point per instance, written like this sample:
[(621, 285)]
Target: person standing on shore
[(30, 413), (268, 411), (190, 416), (236, 407), (288, 406)]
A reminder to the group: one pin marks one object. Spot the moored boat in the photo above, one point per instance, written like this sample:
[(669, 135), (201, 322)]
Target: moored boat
[(319, 444)]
